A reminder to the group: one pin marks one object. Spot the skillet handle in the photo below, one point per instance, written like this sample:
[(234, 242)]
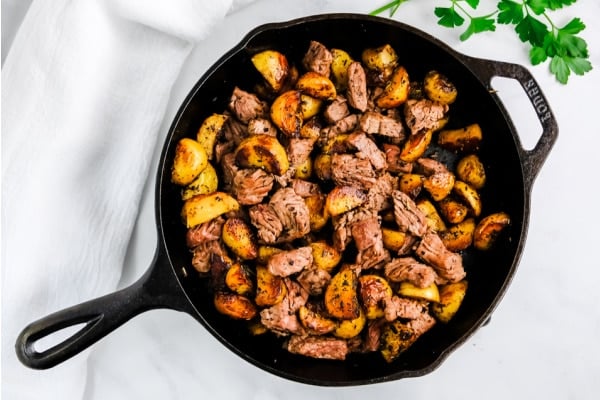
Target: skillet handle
[(532, 159), (157, 288)]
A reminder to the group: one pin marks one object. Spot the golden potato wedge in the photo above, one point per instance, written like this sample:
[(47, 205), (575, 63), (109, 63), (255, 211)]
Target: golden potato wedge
[(470, 169), (488, 229), (432, 217), (341, 298), (411, 184), (239, 279), (322, 166), (316, 210), (309, 106), (395, 338), (396, 90), (205, 207), (325, 256), (373, 289), (311, 129), (304, 170), (439, 185), (336, 144), (316, 323), (438, 88), (234, 305), (339, 68), (415, 146), (270, 289), (462, 139), (205, 183), (239, 237), (453, 210), (429, 293), (460, 236), (262, 151), (286, 112), (265, 252), (382, 59), (344, 198), (349, 328), (190, 160), (316, 85), (209, 131), (451, 298), (469, 195), (393, 240), (273, 66)]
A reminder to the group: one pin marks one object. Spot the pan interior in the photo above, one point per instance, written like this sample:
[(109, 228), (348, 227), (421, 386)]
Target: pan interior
[(488, 273)]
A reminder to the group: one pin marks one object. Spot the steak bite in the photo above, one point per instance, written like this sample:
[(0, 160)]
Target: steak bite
[(394, 163), (314, 280), (367, 149), (408, 269), (318, 347), (246, 106), (349, 170), (401, 307), (379, 197), (265, 220), (408, 216), (342, 225), (305, 188), (201, 258), (344, 125), (261, 126), (205, 232), (369, 243), (298, 150), (318, 58), (290, 262), (281, 318), (336, 110), (447, 264), (375, 123), (251, 186), (292, 212), (357, 86), (421, 115)]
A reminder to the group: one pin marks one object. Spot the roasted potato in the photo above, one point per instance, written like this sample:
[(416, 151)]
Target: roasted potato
[(325, 256), (234, 305), (433, 219), (317, 214), (469, 196), (190, 160), (488, 229), (262, 151), (396, 90), (239, 279), (411, 184), (344, 198), (205, 183), (336, 144), (339, 68), (239, 237), (209, 131), (382, 59), (460, 236), (393, 240), (415, 146), (273, 66), (373, 289), (304, 170), (470, 169), (205, 207), (349, 328), (453, 210), (429, 293), (309, 106), (322, 166), (316, 323), (286, 112), (461, 140), (316, 85), (439, 185), (451, 297), (438, 88), (395, 338), (341, 299), (270, 289)]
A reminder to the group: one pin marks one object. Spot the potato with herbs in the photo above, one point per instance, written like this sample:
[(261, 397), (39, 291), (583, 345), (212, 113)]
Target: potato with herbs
[(190, 160)]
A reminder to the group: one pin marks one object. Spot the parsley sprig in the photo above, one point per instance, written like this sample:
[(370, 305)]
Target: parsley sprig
[(560, 45)]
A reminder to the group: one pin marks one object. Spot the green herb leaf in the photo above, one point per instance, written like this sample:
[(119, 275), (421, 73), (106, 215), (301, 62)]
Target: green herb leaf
[(559, 67), (537, 55), (448, 17), (531, 30), (473, 3), (579, 65), (511, 12), (478, 25)]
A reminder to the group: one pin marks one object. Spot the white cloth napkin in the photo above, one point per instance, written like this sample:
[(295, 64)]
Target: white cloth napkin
[(84, 89)]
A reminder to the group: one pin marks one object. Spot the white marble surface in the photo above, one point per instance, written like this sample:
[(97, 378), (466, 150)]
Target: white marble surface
[(542, 341)]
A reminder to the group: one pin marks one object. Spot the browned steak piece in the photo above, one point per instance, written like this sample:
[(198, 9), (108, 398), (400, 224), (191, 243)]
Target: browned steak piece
[(447, 264), (376, 123), (261, 126), (401, 307), (342, 226), (314, 280), (379, 197), (336, 110), (408, 216), (357, 86), (228, 170), (234, 131), (246, 106), (317, 58), (305, 188), (349, 170), (265, 220), (408, 269), (205, 232), (202, 255), (298, 150), (394, 163), (372, 338), (367, 149), (344, 125), (281, 318), (251, 186), (292, 212), (422, 324), (423, 115), (318, 347), (290, 262)]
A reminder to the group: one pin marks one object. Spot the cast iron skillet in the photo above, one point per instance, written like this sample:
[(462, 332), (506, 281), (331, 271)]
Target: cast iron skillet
[(168, 282)]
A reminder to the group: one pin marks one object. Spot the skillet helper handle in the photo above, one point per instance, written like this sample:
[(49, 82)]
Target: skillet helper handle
[(100, 316), (532, 159)]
